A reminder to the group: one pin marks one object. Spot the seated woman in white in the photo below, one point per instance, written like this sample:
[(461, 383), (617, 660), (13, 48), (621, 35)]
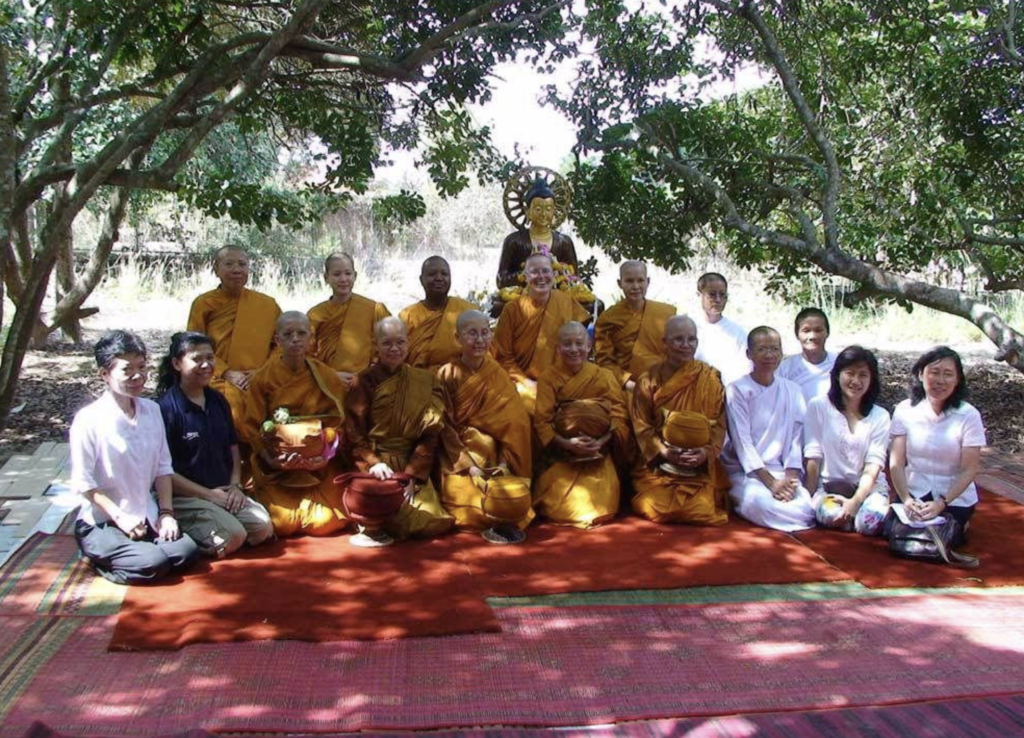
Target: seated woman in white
[(846, 440), (936, 441), (811, 369), (763, 454)]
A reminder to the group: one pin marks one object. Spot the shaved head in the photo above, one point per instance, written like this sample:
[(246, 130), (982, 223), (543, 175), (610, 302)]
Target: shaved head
[(389, 326), (431, 261), (290, 316), (570, 329), (676, 321), (762, 330), (225, 250), (471, 317), (632, 265), (339, 256)]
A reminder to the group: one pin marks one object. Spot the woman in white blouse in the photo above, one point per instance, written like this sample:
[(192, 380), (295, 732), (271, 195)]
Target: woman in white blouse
[(846, 436), (936, 441)]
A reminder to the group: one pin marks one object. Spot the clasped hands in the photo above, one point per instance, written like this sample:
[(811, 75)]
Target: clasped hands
[(921, 510), (584, 446), (230, 497), (238, 378), (687, 458), (784, 489), (137, 529), (382, 471)]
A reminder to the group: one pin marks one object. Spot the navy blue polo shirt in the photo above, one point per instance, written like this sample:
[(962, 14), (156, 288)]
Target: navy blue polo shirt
[(200, 439)]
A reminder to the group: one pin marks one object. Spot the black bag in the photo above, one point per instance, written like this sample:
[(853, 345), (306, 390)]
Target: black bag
[(930, 543)]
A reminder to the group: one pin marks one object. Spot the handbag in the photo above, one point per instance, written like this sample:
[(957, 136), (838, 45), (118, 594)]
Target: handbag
[(928, 543)]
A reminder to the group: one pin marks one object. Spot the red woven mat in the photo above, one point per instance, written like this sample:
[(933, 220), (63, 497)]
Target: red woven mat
[(995, 537), (550, 666), (631, 553), (324, 589), (977, 717), (310, 589)]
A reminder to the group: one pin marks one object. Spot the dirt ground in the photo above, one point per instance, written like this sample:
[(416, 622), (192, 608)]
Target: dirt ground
[(60, 379)]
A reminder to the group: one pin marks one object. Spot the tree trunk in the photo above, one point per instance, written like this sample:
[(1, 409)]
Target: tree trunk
[(69, 307), (8, 176)]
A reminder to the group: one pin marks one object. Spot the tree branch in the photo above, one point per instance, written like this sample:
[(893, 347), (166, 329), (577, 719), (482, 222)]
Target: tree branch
[(1007, 41), (433, 45), (251, 78), (1010, 343), (788, 77)]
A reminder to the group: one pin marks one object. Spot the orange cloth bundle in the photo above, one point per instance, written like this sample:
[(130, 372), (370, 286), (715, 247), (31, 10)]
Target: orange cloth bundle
[(371, 501), (591, 418), (686, 429)]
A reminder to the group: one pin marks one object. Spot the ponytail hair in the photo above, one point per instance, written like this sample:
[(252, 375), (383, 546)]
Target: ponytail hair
[(181, 344)]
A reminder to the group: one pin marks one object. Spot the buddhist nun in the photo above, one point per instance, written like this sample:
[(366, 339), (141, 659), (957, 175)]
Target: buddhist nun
[(627, 336), (431, 321), (394, 415), (487, 432), (343, 325), (583, 424), (292, 417), (723, 342), (764, 454), (526, 337), (811, 369), (678, 414), (241, 323)]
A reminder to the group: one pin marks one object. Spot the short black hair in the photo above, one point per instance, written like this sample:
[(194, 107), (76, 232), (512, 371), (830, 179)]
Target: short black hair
[(848, 357), (702, 282), (181, 344), (930, 357), (810, 312), (117, 343), (761, 330)]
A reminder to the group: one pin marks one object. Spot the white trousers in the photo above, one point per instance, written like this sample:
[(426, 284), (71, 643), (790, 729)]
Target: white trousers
[(754, 502)]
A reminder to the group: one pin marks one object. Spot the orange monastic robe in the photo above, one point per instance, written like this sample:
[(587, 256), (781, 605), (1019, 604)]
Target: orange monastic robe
[(397, 418), (343, 334), (486, 424), (628, 342), (432, 332), (660, 496), (579, 493), (243, 328), (312, 390), (527, 336)]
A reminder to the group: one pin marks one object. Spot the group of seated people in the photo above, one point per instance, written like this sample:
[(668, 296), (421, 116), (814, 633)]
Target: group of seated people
[(686, 418)]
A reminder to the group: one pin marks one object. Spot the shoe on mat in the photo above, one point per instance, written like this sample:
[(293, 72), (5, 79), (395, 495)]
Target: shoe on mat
[(370, 539), (504, 535)]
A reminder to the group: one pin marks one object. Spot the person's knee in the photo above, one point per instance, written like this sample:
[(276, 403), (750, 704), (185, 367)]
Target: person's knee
[(259, 528), (147, 565)]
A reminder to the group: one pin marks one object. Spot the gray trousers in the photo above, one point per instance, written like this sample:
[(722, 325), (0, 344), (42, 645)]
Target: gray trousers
[(218, 532), (124, 561)]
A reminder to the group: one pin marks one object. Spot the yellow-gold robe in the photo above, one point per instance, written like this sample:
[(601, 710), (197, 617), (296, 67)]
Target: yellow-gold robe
[(397, 418), (658, 495), (432, 332), (628, 342), (486, 424), (579, 493), (243, 330), (526, 338), (343, 333), (312, 390)]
